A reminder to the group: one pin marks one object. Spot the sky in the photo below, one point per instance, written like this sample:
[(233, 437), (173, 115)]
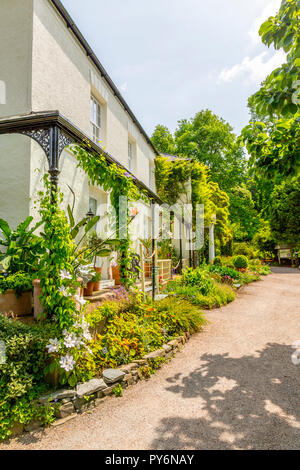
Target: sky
[(173, 58)]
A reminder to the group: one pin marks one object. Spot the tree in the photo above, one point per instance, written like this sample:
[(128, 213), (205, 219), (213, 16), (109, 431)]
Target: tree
[(243, 215), (285, 212), (210, 140), (163, 140), (274, 145)]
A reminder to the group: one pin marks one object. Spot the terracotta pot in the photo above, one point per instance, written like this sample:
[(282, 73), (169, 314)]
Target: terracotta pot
[(19, 306), (89, 289), (116, 274), (97, 285)]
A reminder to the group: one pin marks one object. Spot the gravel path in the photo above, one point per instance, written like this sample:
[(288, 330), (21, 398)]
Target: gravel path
[(233, 386)]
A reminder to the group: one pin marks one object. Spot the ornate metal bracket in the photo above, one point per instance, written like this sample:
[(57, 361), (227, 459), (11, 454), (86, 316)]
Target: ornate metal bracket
[(43, 138)]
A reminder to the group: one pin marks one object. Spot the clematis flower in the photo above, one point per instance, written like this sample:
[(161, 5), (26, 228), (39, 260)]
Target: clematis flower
[(65, 275), (67, 362), (70, 341), (64, 291), (80, 300), (53, 346)]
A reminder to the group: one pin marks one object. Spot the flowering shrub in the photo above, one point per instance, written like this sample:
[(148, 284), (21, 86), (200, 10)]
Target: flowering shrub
[(197, 277)]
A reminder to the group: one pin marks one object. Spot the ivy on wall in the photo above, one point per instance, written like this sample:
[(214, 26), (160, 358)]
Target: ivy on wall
[(172, 179)]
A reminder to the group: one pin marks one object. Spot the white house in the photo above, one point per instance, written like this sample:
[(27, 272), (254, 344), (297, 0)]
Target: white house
[(46, 65)]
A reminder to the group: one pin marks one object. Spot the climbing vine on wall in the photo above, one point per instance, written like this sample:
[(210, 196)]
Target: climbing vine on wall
[(117, 182), (172, 178)]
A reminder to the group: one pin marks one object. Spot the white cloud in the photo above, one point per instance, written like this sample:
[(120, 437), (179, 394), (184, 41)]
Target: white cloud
[(270, 10), (254, 70), (123, 87)]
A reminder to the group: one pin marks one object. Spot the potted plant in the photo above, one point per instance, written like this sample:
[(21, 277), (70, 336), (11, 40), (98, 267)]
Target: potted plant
[(16, 294), (115, 271)]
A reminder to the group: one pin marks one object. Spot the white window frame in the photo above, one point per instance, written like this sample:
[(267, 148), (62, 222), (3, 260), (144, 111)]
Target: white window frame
[(151, 175), (96, 116), (93, 205)]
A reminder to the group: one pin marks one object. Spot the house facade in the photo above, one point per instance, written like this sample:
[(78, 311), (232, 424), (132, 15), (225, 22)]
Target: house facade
[(46, 65)]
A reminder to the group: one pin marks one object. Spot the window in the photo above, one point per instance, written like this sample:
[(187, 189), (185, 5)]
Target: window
[(96, 119), (93, 206), (130, 156)]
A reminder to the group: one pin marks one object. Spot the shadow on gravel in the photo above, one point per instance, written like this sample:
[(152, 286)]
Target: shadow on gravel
[(252, 402)]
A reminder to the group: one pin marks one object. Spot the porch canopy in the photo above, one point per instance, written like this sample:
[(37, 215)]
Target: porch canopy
[(54, 132)]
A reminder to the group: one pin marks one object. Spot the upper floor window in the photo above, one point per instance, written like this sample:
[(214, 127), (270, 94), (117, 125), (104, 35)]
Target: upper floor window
[(96, 119), (130, 156)]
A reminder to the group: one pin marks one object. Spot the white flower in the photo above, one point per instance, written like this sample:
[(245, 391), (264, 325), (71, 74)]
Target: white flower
[(80, 300), (64, 291), (65, 275), (87, 335), (53, 346), (70, 340), (67, 362)]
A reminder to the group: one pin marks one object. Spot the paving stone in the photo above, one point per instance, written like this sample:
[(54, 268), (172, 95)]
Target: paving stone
[(33, 426), (90, 387), (174, 343), (167, 348), (59, 422), (65, 410), (127, 368), (108, 391), (112, 376), (17, 430), (155, 354), (59, 395), (140, 362)]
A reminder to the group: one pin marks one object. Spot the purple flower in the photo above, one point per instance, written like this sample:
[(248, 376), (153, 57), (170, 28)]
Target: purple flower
[(129, 175)]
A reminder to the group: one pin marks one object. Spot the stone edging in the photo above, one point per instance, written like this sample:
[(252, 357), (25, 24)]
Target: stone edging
[(93, 393)]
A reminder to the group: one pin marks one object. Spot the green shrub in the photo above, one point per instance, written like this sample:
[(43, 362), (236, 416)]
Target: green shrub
[(22, 374), (217, 261), (197, 277), (220, 294), (245, 249), (19, 282), (240, 262), (225, 271)]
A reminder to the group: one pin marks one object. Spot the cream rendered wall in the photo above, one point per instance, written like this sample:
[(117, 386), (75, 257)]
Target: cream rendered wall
[(63, 78), (15, 77)]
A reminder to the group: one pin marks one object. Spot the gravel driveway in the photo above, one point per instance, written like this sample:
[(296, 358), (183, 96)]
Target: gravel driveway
[(233, 386)]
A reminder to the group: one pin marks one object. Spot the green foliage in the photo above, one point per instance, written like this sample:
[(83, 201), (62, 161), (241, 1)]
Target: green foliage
[(22, 375), (132, 328), (217, 261), (58, 257), (218, 295), (285, 211), (277, 95), (246, 249), (118, 390), (274, 145), (163, 140), (21, 248), (117, 182), (19, 282), (210, 140), (240, 262), (243, 215), (225, 271), (197, 277)]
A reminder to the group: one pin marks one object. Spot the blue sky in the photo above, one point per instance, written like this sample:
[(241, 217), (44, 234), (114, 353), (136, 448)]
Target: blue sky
[(172, 58)]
